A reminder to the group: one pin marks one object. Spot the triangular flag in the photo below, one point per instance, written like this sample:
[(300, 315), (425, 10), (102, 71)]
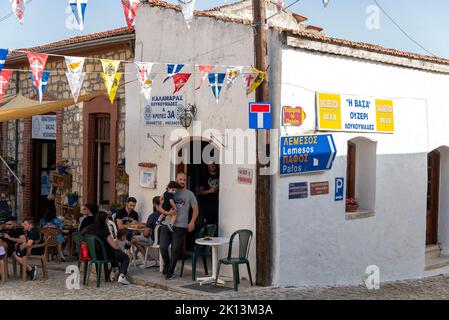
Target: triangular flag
[(75, 83), (173, 69), (75, 65), (37, 66), (113, 91), (79, 10), (248, 79), (3, 55), (40, 89), (130, 7), (18, 7), (216, 83), (231, 74), (110, 68), (205, 70), (146, 78), (180, 79), (187, 7), (280, 5), (260, 77), (5, 75)]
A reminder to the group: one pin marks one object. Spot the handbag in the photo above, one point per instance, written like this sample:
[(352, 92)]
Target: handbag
[(84, 254)]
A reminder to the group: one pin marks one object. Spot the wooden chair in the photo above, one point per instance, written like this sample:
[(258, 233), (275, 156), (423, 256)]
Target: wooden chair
[(49, 234), (42, 258), (4, 263)]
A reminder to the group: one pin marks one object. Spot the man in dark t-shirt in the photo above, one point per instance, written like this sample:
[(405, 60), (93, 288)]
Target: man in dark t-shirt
[(127, 214), (12, 235), (209, 186)]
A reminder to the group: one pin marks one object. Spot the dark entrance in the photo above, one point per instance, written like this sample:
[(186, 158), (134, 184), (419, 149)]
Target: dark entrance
[(433, 191), (44, 160)]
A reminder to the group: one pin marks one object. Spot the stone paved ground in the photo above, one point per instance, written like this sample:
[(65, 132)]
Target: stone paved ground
[(54, 288)]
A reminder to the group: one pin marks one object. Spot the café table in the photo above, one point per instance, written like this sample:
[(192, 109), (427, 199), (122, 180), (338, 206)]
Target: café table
[(214, 243)]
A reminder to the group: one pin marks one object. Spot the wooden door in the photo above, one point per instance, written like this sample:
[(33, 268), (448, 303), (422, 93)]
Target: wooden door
[(433, 190), (350, 171)]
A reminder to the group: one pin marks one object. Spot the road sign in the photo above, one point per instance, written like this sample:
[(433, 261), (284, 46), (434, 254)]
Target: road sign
[(298, 190), (307, 153), (339, 189), (260, 116)]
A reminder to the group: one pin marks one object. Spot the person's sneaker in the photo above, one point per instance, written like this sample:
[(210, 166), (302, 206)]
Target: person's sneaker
[(170, 227), (170, 276), (63, 258), (164, 272), (122, 279), (28, 277), (33, 273), (113, 276)]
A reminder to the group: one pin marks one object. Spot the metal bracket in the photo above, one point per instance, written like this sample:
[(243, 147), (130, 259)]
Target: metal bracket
[(162, 146), (216, 139)]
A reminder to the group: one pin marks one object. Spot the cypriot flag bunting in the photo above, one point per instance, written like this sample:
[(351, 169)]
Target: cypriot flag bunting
[(205, 70), (79, 9), (146, 78), (75, 75), (232, 74), (187, 8), (40, 89), (110, 68), (5, 75), (37, 66), (216, 83), (3, 55), (113, 91), (130, 7), (18, 7)]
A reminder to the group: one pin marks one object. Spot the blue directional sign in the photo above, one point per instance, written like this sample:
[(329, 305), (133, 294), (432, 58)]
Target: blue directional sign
[(305, 154)]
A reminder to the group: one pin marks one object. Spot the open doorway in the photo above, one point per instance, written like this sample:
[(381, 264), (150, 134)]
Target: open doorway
[(433, 190)]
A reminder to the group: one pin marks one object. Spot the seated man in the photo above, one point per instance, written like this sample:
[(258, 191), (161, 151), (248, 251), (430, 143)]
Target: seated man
[(12, 235), (147, 238), (127, 215), (32, 237)]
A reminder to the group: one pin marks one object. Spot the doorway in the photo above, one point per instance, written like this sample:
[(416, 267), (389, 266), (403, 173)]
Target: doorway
[(433, 190), (44, 160)]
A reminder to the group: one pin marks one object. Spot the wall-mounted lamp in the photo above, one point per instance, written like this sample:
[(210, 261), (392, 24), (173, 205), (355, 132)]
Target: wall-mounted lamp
[(187, 117)]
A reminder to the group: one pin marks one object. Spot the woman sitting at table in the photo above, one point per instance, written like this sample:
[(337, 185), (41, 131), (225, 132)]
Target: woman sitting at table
[(118, 257), (89, 212), (51, 221)]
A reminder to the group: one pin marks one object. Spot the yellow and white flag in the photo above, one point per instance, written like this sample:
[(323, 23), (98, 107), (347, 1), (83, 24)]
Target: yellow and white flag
[(110, 68), (259, 78), (114, 87)]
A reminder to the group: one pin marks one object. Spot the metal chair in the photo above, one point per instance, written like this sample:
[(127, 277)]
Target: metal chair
[(92, 243)]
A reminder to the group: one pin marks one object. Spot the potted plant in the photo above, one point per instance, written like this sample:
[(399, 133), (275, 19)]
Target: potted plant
[(62, 166), (72, 198), (352, 205)]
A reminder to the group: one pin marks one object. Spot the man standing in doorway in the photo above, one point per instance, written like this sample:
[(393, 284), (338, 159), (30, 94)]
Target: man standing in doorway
[(209, 185), (185, 199)]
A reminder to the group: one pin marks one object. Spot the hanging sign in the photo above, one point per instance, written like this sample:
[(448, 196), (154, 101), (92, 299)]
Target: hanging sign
[(293, 116), (44, 127), (164, 111), (354, 113), (307, 153)]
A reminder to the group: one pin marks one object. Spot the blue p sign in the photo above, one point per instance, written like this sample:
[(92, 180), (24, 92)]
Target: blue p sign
[(339, 189)]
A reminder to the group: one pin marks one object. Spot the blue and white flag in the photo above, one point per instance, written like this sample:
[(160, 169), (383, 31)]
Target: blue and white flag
[(79, 9), (3, 54), (216, 83), (43, 84), (173, 69)]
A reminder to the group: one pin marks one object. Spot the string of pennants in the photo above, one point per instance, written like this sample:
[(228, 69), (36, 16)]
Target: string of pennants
[(111, 77)]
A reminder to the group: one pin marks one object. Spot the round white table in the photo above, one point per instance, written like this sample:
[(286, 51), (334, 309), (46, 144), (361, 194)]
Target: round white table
[(214, 243)]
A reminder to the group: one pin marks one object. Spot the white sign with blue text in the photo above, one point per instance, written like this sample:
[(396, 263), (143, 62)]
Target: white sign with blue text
[(164, 111), (44, 127)]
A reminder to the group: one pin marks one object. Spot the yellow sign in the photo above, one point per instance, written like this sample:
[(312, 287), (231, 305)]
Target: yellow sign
[(329, 111), (385, 115)]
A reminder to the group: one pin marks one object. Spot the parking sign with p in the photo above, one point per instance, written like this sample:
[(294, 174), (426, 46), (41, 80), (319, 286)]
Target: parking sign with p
[(339, 189)]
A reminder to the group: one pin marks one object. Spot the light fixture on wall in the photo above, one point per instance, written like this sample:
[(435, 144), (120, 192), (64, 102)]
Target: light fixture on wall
[(187, 117)]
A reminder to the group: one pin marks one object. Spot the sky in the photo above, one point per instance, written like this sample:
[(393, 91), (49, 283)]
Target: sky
[(425, 21)]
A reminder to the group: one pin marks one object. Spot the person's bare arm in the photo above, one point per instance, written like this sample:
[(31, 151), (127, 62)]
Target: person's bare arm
[(112, 243), (120, 224), (7, 236), (203, 192), (164, 212), (147, 232), (191, 225), (27, 244)]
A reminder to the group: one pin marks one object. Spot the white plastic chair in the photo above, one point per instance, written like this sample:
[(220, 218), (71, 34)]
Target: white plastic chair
[(155, 245)]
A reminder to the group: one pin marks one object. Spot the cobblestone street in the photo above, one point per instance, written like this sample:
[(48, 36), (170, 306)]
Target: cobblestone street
[(54, 289)]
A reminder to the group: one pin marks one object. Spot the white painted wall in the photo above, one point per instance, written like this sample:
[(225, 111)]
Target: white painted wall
[(317, 245), (162, 36)]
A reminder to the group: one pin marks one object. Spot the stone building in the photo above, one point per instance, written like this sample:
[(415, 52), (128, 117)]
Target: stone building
[(89, 135)]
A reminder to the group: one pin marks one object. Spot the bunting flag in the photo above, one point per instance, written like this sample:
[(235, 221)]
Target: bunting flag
[(172, 70), (180, 79), (110, 68), (130, 7), (232, 74), (216, 83), (18, 7), (79, 10), (76, 83), (3, 55), (114, 87), (146, 79), (5, 75), (40, 89), (187, 7), (37, 66), (205, 70), (280, 5), (75, 65), (257, 77)]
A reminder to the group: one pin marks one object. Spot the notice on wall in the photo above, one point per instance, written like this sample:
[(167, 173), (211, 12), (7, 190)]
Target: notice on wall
[(319, 188), (164, 111), (298, 190), (293, 116), (337, 112), (44, 127), (245, 176)]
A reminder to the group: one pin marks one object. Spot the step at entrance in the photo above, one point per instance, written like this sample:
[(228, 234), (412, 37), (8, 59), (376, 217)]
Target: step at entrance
[(433, 251)]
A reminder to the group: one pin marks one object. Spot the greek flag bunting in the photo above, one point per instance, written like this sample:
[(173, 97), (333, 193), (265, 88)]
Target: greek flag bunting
[(3, 54), (40, 88), (173, 69), (216, 83), (79, 10)]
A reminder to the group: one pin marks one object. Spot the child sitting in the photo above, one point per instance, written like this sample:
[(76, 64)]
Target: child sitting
[(169, 204)]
